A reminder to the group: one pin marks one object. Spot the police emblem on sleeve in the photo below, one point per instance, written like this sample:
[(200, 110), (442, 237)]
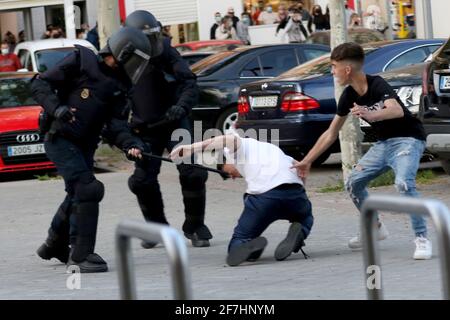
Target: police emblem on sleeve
[(84, 93)]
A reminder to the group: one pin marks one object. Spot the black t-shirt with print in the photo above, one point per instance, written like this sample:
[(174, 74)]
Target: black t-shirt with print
[(378, 91)]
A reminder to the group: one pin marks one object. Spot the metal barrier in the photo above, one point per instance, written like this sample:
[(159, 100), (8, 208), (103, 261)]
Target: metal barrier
[(152, 232), (439, 214)]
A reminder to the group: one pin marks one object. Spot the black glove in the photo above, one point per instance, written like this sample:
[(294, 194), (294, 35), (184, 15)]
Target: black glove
[(63, 113), (175, 113)]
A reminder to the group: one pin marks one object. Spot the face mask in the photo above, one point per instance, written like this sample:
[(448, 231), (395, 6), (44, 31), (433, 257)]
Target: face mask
[(218, 19), (246, 21), (269, 9), (5, 51)]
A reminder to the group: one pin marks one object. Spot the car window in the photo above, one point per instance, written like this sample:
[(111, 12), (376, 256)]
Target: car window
[(433, 48), (213, 63), (411, 57), (313, 53), (275, 62), (15, 93), (24, 57), (46, 59), (252, 69)]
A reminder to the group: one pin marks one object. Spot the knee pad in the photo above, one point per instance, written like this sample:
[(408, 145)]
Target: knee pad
[(192, 178), (139, 183), (92, 191)]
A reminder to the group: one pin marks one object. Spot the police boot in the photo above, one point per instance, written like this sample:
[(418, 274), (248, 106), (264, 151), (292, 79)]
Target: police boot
[(194, 227), (54, 247), (153, 211), (82, 240)]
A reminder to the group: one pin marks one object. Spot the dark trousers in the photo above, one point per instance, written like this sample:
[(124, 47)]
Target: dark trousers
[(261, 210), (74, 164)]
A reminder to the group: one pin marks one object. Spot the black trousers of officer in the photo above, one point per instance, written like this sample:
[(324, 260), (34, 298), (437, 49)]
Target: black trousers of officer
[(76, 219), (144, 182)]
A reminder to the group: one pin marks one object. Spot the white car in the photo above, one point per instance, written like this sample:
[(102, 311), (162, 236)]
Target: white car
[(41, 55)]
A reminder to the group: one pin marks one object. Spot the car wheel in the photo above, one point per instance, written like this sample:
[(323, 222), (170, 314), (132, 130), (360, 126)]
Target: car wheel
[(446, 165), (227, 119)]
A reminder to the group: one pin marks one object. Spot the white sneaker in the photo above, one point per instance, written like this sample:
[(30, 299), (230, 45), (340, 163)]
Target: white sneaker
[(355, 242), (423, 249)]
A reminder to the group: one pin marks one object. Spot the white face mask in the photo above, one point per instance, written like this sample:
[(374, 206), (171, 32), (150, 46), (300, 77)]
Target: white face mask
[(5, 51)]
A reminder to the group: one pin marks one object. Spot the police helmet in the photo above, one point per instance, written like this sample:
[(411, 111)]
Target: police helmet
[(151, 27), (131, 50)]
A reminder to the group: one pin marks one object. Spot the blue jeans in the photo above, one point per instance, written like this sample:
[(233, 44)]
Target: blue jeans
[(402, 155), (262, 209)]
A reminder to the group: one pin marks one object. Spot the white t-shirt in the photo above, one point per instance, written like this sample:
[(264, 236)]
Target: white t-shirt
[(263, 165)]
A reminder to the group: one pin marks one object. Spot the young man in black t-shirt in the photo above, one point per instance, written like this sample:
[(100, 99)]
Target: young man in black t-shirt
[(401, 138)]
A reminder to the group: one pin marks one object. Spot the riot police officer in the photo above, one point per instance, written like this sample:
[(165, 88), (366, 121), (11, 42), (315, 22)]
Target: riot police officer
[(162, 101), (82, 95)]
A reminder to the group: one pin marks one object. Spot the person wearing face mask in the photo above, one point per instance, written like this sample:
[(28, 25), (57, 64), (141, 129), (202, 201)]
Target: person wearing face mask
[(320, 20), (9, 62), (242, 28), (233, 17), (226, 31), (268, 16), (295, 29), (218, 20)]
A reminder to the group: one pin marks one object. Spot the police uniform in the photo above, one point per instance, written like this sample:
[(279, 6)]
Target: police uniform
[(167, 82), (98, 92)]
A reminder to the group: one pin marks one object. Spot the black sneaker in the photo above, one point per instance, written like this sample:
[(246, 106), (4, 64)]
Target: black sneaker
[(93, 263), (243, 252), (292, 243), (148, 244), (47, 252)]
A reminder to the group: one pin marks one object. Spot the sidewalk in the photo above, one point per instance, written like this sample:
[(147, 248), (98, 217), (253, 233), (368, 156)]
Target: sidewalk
[(332, 272)]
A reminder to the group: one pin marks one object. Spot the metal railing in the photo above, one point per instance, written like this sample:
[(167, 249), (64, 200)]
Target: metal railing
[(436, 210), (152, 232)]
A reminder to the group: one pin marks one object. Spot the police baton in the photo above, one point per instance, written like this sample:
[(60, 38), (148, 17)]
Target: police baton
[(222, 173)]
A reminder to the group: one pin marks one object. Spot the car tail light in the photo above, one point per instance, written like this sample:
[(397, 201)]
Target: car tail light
[(243, 105), (427, 86), (296, 101)]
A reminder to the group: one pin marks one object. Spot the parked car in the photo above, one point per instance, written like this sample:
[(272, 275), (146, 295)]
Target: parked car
[(205, 44), (358, 35), (192, 57), (41, 55), (21, 145), (220, 75), (434, 110), (300, 103)]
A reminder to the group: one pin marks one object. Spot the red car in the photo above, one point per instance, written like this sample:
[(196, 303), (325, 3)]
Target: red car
[(205, 45), (21, 145)]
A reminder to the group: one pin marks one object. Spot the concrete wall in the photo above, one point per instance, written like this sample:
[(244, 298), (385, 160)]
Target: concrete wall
[(440, 10)]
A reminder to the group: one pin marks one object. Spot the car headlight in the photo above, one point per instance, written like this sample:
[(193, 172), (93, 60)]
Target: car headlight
[(410, 97)]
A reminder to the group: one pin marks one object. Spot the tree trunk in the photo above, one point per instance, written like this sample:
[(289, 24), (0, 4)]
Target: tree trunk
[(108, 20), (350, 134)]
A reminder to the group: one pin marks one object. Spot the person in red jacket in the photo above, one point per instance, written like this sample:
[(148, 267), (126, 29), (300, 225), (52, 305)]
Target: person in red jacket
[(8, 61)]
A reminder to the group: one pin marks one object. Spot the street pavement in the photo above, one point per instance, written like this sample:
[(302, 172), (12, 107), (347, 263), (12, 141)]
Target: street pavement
[(332, 272)]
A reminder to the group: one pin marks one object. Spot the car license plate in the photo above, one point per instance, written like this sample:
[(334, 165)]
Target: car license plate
[(445, 82), (264, 102), (14, 151), (363, 123)]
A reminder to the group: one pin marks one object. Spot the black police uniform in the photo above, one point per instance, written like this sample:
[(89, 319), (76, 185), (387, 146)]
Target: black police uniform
[(168, 81), (98, 92)]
